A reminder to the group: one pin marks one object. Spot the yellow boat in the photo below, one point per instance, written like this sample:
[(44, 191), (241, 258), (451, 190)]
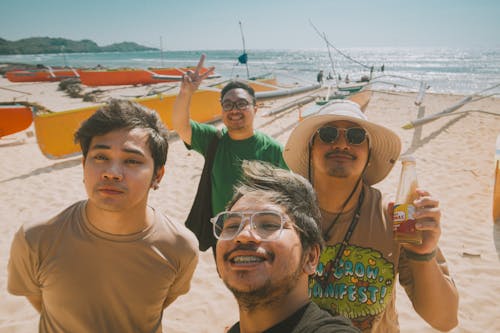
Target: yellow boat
[(54, 131)]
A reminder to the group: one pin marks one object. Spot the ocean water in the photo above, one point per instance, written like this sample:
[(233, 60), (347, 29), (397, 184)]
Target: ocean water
[(444, 70)]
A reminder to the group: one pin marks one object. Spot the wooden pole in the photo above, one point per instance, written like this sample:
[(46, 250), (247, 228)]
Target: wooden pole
[(496, 187), (244, 49)]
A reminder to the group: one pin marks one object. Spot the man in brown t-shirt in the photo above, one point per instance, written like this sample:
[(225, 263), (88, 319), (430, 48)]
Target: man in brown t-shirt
[(109, 263), (343, 155)]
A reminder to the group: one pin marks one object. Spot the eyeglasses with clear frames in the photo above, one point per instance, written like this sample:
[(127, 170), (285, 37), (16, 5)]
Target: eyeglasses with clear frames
[(241, 104), (267, 225)]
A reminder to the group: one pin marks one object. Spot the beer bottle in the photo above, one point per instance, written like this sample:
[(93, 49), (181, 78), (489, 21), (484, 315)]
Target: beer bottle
[(404, 210)]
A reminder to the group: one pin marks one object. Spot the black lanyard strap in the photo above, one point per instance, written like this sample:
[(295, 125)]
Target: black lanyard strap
[(350, 231)]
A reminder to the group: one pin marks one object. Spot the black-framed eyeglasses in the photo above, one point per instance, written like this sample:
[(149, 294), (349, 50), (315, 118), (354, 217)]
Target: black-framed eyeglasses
[(353, 135), (267, 225), (241, 104)]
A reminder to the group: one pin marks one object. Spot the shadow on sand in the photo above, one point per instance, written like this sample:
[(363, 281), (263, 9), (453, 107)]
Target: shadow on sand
[(48, 169), (418, 141)]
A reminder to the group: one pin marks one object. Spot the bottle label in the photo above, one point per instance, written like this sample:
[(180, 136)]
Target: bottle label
[(403, 218)]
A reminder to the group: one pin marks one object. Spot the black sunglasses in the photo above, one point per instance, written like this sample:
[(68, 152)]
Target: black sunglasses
[(353, 135)]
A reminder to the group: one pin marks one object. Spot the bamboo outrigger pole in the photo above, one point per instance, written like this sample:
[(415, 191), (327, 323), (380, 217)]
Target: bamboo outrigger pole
[(462, 102)]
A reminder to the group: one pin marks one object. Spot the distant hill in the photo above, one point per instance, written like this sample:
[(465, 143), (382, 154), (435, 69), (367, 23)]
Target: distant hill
[(36, 45)]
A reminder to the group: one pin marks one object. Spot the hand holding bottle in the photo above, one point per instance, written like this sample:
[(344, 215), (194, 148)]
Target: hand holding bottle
[(428, 218), (416, 214)]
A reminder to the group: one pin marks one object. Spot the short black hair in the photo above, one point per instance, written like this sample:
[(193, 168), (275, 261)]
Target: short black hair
[(288, 190), (123, 114), (235, 84)]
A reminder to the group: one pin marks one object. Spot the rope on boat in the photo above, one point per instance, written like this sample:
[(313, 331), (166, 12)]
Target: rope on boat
[(339, 51)]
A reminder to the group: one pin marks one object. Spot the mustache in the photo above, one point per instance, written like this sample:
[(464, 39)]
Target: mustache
[(338, 152), (111, 184), (251, 248)]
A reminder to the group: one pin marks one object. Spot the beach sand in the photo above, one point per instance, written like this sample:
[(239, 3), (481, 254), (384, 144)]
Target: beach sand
[(455, 162)]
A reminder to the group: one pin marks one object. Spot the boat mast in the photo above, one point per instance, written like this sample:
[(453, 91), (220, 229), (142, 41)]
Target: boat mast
[(244, 49), (331, 59), (64, 56), (161, 51), (323, 36)]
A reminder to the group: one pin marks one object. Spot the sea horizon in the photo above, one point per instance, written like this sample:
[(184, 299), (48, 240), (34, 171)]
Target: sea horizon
[(457, 70)]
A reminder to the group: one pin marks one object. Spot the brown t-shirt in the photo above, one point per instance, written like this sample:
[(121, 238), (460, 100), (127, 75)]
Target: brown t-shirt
[(362, 288), (91, 281)]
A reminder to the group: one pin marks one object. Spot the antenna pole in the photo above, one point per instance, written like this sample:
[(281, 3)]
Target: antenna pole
[(64, 56), (244, 49), (331, 59), (161, 51)]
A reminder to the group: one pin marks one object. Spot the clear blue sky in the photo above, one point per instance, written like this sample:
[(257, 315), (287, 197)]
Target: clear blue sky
[(267, 24)]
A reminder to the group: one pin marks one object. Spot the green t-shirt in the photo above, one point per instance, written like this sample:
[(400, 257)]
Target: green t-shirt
[(226, 170)]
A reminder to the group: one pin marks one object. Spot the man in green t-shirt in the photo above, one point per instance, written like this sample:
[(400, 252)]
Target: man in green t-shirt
[(238, 140)]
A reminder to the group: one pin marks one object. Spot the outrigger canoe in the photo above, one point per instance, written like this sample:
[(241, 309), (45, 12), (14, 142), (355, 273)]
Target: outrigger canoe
[(54, 131), (361, 98), (352, 87), (261, 83), (48, 74), (131, 76), (14, 118)]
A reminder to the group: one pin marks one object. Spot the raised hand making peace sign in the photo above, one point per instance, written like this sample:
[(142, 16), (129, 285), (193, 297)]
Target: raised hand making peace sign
[(192, 80)]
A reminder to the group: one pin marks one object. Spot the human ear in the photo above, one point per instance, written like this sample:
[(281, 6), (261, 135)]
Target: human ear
[(312, 259), (155, 183)]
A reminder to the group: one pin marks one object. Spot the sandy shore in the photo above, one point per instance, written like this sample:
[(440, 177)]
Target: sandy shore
[(455, 162)]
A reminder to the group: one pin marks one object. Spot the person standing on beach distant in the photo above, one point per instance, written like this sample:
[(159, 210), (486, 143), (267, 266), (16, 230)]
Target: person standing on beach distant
[(319, 77), (110, 263), (238, 140), (344, 155), (269, 242)]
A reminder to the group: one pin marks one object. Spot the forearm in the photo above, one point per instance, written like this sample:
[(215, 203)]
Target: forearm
[(180, 115), (435, 297)]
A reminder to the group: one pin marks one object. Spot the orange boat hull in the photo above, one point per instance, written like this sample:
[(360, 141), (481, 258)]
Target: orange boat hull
[(54, 131), (39, 75), (14, 118), (128, 76)]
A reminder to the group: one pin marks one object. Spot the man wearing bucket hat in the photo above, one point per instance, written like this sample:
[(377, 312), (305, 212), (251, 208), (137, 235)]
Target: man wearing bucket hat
[(343, 155)]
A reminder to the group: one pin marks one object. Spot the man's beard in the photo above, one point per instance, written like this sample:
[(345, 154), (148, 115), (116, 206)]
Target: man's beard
[(338, 171), (267, 294)]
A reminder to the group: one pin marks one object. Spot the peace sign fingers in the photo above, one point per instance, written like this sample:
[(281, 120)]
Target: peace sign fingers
[(192, 80)]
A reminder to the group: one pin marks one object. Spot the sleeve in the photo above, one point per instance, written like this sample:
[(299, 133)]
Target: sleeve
[(201, 136), (22, 267), (182, 281), (275, 150)]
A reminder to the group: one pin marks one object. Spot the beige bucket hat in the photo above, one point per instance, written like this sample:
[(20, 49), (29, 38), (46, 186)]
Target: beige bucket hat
[(385, 145)]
